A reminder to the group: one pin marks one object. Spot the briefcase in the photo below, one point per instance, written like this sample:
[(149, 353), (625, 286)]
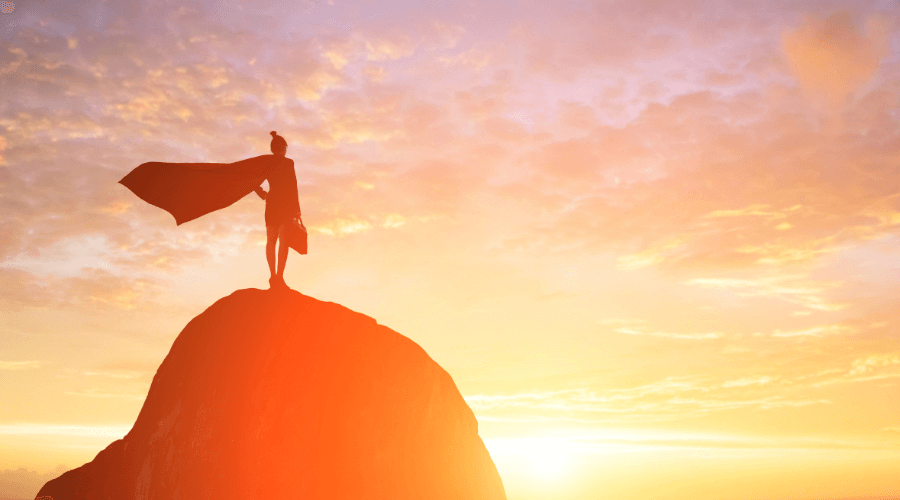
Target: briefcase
[(295, 235)]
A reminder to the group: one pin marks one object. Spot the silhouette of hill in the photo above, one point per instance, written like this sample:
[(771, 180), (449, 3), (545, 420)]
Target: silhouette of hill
[(273, 394), (21, 483)]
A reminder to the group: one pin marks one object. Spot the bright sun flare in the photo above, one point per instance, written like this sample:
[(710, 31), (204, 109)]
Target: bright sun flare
[(550, 457), (545, 458)]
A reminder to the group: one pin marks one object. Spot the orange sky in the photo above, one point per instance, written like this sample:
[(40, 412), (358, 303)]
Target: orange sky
[(654, 243)]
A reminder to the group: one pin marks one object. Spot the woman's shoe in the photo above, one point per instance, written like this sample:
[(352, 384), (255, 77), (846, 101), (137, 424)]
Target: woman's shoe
[(274, 282), (277, 282)]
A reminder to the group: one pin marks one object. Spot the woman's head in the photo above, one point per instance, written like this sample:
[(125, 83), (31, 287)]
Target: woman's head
[(279, 145)]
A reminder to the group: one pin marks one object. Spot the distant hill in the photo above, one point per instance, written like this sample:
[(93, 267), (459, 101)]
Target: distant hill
[(22, 484)]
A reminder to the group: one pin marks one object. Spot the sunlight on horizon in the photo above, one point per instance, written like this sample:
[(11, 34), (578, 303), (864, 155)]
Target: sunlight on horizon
[(545, 468), (550, 459)]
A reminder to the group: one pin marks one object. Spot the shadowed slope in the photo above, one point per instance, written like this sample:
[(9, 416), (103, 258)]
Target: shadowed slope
[(272, 394)]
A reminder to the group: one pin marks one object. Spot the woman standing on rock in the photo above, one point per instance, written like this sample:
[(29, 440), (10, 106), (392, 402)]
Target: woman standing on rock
[(191, 190), (282, 206)]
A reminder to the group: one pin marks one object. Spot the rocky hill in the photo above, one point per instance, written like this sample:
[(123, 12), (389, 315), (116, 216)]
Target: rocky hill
[(273, 394)]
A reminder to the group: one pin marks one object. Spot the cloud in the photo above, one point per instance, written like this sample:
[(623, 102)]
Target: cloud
[(90, 290), (687, 397), (750, 381), (831, 56), (490, 99), (20, 365), (342, 227), (98, 393), (656, 188), (673, 398), (810, 377), (816, 331), (873, 363), (669, 335), (393, 45), (792, 289), (665, 189), (119, 374), (29, 429), (577, 115)]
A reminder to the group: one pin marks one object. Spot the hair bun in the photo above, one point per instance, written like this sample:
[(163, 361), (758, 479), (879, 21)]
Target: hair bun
[(273, 133)]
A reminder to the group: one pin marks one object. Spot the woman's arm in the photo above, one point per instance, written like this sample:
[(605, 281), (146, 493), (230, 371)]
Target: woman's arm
[(259, 191)]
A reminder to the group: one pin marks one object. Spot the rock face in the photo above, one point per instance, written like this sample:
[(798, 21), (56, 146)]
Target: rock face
[(275, 395)]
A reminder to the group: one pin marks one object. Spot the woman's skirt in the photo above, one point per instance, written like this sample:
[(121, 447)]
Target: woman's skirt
[(277, 216)]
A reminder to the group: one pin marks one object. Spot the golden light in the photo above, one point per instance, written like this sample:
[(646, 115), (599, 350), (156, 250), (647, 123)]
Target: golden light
[(538, 458)]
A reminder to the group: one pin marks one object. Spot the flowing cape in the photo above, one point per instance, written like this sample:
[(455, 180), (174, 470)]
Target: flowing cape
[(191, 190)]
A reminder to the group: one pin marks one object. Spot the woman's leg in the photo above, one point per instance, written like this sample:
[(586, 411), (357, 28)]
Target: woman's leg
[(282, 250), (271, 238)]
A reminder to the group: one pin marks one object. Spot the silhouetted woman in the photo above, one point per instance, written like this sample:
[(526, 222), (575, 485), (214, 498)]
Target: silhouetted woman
[(282, 205)]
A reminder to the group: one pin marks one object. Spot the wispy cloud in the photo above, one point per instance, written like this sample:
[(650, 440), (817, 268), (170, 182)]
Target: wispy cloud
[(96, 393), (20, 365), (832, 56), (670, 335), (873, 363), (91, 288), (750, 381), (603, 408), (32, 429), (680, 398), (816, 331), (794, 289), (665, 400)]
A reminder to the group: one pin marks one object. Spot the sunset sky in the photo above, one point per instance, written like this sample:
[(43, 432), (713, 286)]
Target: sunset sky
[(655, 243)]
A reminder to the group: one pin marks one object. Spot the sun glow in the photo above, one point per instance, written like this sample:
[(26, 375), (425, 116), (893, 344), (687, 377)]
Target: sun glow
[(542, 458)]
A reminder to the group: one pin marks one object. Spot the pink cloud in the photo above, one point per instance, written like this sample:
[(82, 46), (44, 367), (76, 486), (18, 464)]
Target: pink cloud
[(832, 57)]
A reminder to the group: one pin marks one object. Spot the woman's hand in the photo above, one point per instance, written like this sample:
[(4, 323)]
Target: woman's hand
[(259, 191)]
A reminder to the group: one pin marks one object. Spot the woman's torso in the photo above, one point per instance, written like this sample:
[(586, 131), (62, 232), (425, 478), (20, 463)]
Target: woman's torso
[(282, 187)]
